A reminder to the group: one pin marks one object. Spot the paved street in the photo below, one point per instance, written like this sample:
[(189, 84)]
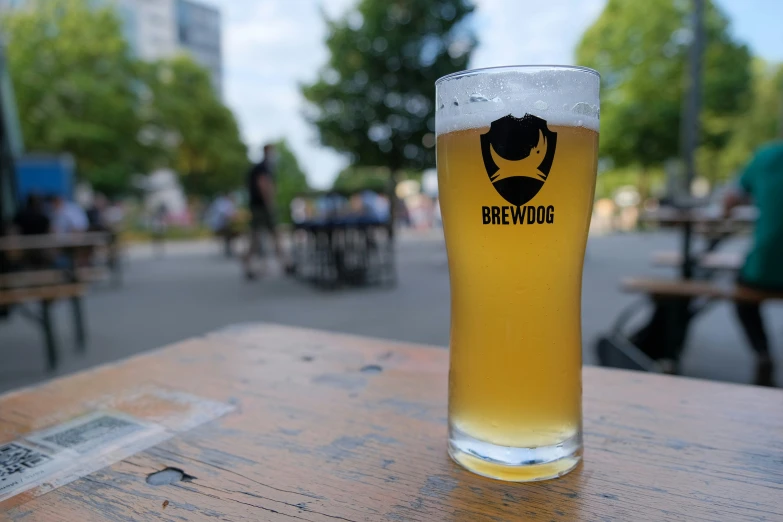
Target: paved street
[(192, 290)]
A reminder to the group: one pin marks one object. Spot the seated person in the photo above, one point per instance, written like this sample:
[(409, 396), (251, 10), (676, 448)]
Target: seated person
[(762, 183), (67, 217), (32, 219)]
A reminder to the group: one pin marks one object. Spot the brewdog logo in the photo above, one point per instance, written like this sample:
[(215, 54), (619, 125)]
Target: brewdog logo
[(518, 155)]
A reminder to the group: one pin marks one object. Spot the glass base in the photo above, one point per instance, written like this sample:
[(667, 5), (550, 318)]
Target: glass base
[(514, 464)]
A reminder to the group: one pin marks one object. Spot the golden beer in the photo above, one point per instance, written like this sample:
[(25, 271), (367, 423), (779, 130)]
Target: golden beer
[(516, 272)]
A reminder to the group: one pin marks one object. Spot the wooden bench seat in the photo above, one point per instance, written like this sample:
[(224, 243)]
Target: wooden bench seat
[(727, 261), (696, 288), (11, 296), (29, 278)]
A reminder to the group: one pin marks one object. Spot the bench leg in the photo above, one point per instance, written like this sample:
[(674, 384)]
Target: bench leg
[(51, 345), (78, 322)]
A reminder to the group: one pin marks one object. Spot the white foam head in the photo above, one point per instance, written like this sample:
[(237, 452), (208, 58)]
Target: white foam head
[(559, 95)]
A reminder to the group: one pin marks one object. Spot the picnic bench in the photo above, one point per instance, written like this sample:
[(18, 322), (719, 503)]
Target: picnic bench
[(20, 289), (264, 422), (344, 244), (676, 302)]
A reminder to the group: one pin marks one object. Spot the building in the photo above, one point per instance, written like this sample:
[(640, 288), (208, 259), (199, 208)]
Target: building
[(198, 32), (158, 29), (155, 27)]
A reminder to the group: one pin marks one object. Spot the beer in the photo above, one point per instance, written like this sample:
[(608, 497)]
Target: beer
[(516, 196)]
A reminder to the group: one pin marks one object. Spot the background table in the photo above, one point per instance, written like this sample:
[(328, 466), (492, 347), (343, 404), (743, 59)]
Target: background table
[(329, 427)]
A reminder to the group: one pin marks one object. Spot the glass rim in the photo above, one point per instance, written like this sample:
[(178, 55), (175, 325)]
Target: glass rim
[(501, 68)]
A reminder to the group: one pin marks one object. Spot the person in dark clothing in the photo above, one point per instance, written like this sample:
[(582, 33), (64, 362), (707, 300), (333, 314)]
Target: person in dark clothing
[(762, 183), (32, 218), (261, 195)]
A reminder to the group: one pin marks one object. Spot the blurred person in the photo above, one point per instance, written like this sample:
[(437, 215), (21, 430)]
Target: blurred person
[(761, 183), (375, 206), (402, 214), (220, 218), (159, 222), (67, 217), (32, 219), (298, 210), (114, 215), (261, 193), (96, 214)]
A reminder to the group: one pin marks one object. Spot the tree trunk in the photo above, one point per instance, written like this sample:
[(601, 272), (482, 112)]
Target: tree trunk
[(643, 185)]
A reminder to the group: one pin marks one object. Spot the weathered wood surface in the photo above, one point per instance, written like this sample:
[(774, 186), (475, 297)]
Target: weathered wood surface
[(331, 427)]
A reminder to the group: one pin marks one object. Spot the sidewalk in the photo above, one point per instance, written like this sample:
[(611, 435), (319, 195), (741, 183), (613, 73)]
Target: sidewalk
[(192, 290)]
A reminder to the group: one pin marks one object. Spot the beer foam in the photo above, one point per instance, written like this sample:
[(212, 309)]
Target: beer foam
[(560, 95)]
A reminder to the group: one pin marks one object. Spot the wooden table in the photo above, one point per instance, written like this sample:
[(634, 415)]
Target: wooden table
[(329, 427)]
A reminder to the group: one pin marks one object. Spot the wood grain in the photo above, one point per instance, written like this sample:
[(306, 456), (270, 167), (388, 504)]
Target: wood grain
[(330, 427)]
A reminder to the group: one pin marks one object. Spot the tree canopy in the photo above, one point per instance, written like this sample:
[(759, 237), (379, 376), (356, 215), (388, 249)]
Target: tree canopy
[(761, 123), (74, 84), (640, 49), (188, 128), (290, 180), (79, 90), (374, 98)]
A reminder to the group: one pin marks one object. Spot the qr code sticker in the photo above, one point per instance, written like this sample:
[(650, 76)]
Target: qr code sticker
[(16, 459), (89, 432)]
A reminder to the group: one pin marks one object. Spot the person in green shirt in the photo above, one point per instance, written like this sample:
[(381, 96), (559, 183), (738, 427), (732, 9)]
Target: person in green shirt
[(762, 183)]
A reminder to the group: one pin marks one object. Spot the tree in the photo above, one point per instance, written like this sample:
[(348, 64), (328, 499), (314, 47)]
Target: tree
[(640, 49), (189, 127), (290, 180), (374, 98), (762, 122), (73, 78), (355, 179)]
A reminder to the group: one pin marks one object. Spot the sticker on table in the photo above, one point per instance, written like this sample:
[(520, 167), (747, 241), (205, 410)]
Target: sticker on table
[(98, 431), (21, 466), (68, 451), (118, 427)]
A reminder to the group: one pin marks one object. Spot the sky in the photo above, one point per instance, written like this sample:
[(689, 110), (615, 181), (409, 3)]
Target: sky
[(270, 47)]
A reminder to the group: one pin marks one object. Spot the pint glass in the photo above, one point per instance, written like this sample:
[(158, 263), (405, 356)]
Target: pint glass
[(516, 157)]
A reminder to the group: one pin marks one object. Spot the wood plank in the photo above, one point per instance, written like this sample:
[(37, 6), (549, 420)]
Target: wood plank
[(28, 278), (40, 293), (728, 261), (52, 241), (697, 288), (675, 287), (671, 216), (332, 427)]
